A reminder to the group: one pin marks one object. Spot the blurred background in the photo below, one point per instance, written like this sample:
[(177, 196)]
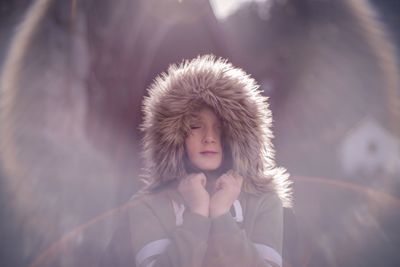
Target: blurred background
[(74, 74)]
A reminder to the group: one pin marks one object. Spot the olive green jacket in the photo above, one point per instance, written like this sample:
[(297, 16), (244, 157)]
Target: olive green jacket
[(165, 233)]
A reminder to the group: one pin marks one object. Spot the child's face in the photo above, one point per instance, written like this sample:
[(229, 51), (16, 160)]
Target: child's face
[(203, 145)]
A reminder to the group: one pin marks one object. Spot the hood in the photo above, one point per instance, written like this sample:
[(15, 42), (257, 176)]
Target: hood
[(245, 116)]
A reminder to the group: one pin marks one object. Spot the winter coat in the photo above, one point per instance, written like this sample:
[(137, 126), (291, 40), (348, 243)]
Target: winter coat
[(164, 234), (162, 231)]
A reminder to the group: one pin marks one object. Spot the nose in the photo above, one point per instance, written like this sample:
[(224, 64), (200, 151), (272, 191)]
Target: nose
[(210, 136)]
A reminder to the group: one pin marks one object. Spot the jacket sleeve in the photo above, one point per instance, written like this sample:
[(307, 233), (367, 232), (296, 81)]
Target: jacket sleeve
[(153, 246), (263, 247)]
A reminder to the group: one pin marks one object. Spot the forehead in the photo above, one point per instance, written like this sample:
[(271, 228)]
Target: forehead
[(205, 114)]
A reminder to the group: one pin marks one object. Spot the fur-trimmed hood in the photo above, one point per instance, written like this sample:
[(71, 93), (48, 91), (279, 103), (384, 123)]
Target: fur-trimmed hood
[(236, 98)]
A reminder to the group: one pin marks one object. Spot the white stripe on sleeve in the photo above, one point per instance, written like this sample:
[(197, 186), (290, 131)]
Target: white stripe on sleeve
[(151, 263), (179, 210), (150, 250), (238, 211), (269, 254)]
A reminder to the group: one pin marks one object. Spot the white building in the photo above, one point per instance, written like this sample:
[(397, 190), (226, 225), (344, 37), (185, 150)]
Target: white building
[(370, 149)]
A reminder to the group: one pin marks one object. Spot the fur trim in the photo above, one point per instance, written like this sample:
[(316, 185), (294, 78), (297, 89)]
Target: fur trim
[(236, 98)]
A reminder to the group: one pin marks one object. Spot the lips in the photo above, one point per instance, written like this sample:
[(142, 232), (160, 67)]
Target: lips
[(208, 153)]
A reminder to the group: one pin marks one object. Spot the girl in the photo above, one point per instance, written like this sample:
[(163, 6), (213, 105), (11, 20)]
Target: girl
[(214, 195)]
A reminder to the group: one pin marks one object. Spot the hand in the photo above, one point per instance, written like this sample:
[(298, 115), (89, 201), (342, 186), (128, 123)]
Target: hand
[(192, 189), (228, 187)]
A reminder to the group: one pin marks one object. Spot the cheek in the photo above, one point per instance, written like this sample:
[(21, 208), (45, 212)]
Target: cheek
[(220, 143), (190, 145)]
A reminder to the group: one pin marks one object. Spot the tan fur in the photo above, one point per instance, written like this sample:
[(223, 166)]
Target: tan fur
[(236, 98)]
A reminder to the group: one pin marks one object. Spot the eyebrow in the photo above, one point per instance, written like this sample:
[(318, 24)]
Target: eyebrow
[(197, 121), (194, 119)]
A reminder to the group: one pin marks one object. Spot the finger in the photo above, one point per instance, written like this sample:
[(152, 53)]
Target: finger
[(224, 177), (203, 181), (181, 187), (230, 172), (192, 178), (240, 183), (197, 180), (218, 185), (199, 176), (229, 179), (239, 179)]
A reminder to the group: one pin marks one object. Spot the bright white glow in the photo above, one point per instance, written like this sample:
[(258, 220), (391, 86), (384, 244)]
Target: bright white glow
[(224, 8)]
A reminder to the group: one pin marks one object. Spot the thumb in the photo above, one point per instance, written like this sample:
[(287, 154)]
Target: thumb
[(203, 181)]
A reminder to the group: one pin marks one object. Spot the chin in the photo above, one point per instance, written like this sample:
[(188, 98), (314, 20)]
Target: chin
[(209, 167)]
